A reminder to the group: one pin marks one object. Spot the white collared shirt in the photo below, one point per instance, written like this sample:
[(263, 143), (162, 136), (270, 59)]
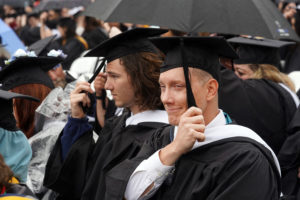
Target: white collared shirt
[(148, 116)]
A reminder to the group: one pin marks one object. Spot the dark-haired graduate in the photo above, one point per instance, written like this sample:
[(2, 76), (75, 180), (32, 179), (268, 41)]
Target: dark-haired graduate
[(204, 156), (77, 166)]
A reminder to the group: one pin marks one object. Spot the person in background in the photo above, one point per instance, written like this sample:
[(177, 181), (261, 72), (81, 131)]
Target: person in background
[(31, 32), (10, 187), (27, 75), (14, 146), (260, 59), (70, 43), (93, 32)]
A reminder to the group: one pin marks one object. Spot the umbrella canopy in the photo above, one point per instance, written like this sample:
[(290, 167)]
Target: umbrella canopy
[(10, 40), (15, 3), (59, 4), (250, 17)]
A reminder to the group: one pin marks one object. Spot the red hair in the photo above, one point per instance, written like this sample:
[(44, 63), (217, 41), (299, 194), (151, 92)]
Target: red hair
[(24, 109)]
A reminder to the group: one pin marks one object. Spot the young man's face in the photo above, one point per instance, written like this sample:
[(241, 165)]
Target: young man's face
[(173, 93), (119, 83)]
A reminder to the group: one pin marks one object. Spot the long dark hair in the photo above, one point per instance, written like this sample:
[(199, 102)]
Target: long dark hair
[(70, 25), (144, 69)]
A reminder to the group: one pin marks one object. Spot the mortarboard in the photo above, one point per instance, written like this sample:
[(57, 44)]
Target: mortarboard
[(128, 42), (41, 47), (26, 70), (196, 52), (258, 50)]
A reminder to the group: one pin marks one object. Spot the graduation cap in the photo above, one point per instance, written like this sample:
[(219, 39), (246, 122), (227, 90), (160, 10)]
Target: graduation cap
[(197, 52), (258, 50), (41, 47), (6, 107), (126, 43), (27, 70)]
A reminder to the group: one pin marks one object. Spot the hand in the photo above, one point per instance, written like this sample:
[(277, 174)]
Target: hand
[(43, 17), (100, 83), (289, 11), (191, 128), (76, 97)]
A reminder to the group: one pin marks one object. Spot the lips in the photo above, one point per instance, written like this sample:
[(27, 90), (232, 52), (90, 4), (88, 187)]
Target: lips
[(172, 110)]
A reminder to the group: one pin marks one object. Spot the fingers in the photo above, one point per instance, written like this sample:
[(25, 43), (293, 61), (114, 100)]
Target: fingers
[(200, 137), (192, 111), (81, 97), (198, 119), (82, 86), (100, 82)]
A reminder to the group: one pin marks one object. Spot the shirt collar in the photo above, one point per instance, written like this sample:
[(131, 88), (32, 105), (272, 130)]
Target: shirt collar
[(219, 120), (148, 116)]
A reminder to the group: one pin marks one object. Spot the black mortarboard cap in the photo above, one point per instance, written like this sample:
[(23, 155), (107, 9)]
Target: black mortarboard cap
[(40, 47), (7, 120), (26, 70), (196, 52), (258, 50), (128, 42)]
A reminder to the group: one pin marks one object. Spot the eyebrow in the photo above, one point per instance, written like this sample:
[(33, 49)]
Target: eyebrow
[(112, 73)]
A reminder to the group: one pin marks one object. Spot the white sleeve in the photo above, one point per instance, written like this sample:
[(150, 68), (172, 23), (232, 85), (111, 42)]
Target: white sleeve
[(148, 172)]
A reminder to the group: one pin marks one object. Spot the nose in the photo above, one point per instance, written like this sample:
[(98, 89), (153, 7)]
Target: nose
[(108, 85), (166, 96)]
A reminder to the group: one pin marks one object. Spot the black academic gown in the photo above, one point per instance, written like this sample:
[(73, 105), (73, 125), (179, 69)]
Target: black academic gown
[(82, 174), (289, 158), (261, 105), (94, 37), (232, 168)]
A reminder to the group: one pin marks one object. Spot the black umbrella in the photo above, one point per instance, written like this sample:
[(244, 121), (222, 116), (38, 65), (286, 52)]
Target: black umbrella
[(59, 4), (250, 17), (16, 3)]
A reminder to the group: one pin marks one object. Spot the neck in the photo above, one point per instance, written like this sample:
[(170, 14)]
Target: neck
[(211, 111), (135, 109)]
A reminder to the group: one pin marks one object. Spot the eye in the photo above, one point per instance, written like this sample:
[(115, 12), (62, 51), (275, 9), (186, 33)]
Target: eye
[(179, 86)]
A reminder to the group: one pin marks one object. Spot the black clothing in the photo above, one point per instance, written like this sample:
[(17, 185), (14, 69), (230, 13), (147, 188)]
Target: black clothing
[(289, 157), (298, 93), (292, 60), (82, 174), (261, 105), (94, 37), (30, 35), (72, 47), (229, 168)]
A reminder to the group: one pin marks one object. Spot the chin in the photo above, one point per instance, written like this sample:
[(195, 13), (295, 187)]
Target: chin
[(173, 120)]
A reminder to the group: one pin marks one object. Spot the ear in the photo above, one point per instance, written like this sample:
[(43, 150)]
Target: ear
[(212, 89)]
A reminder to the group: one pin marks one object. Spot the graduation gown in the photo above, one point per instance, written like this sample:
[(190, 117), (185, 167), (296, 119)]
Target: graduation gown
[(94, 37), (289, 157), (82, 174), (261, 105), (229, 168)]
